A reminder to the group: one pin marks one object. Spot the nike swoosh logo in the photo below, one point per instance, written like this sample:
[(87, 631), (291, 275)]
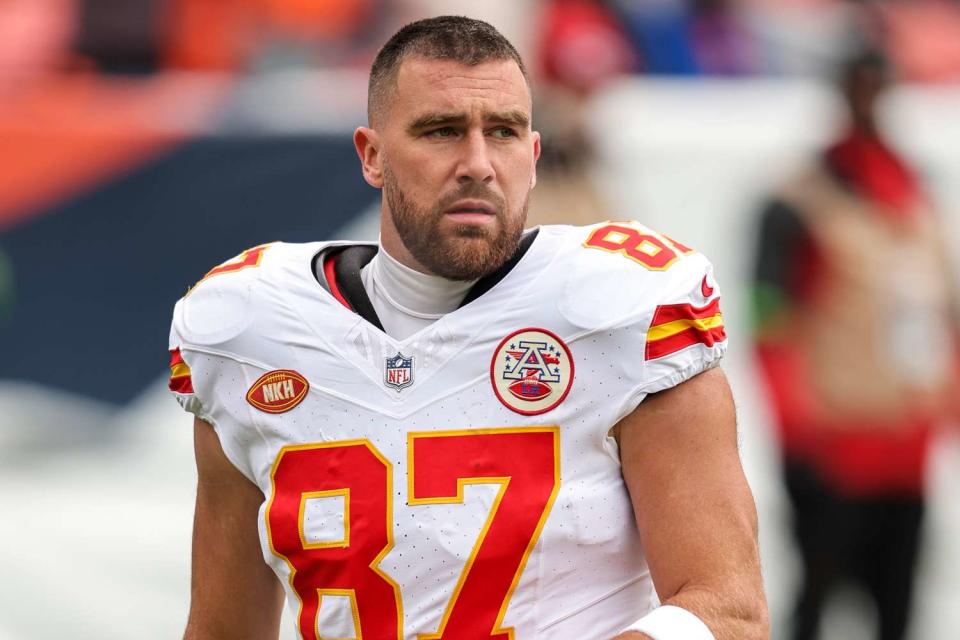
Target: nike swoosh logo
[(706, 289)]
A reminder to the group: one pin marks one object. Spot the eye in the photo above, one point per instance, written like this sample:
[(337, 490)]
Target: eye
[(442, 132), (504, 132)]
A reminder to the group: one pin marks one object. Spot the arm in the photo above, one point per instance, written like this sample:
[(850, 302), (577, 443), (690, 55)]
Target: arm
[(694, 510), (234, 594)]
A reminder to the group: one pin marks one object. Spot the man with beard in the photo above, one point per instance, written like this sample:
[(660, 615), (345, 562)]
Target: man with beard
[(466, 430)]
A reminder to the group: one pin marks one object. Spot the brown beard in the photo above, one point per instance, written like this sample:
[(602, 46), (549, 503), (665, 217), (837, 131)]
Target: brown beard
[(464, 252)]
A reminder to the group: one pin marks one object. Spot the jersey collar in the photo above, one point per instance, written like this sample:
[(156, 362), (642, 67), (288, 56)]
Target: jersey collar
[(337, 269)]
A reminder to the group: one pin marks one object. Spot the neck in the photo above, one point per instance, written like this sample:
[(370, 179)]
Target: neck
[(405, 299)]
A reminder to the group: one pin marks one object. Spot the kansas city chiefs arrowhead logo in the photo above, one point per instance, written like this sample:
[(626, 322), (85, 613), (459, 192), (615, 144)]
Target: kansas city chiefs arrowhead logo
[(531, 371), (278, 391)]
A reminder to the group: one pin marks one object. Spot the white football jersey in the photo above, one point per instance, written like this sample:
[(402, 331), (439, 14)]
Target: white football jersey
[(461, 483)]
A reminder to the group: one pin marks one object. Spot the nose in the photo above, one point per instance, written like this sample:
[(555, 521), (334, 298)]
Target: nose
[(475, 163)]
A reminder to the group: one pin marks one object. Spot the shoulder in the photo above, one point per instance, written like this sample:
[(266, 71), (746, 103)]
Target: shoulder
[(623, 270), (251, 265), (223, 302), (645, 294)]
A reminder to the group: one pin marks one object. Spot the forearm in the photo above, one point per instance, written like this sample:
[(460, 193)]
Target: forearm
[(728, 616)]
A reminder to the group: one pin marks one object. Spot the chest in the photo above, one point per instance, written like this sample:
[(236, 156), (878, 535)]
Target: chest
[(460, 502)]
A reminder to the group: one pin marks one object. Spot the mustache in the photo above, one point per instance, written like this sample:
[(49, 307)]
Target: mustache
[(473, 191)]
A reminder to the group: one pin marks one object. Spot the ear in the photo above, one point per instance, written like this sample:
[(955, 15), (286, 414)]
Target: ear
[(367, 143), (536, 156)]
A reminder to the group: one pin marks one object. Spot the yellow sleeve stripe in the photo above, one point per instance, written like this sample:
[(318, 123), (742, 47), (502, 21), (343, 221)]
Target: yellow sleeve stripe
[(667, 329), (179, 370)]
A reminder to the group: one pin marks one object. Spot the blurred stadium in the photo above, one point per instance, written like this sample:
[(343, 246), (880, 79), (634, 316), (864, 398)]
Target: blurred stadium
[(143, 141)]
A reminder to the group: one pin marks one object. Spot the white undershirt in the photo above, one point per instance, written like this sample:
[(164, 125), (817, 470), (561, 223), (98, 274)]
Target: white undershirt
[(405, 299)]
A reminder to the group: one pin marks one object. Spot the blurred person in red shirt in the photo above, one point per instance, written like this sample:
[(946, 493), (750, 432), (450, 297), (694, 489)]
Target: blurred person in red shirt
[(580, 48), (857, 340)]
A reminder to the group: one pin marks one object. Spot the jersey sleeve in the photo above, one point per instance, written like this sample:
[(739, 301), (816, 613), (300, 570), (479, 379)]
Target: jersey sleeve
[(650, 305), (181, 381), (685, 334), (214, 310)]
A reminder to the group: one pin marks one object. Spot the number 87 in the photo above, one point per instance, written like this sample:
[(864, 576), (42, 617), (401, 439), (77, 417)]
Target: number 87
[(523, 461)]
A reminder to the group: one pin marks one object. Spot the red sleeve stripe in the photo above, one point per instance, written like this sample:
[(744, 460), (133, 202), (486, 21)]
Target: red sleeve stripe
[(669, 312), (679, 326), (329, 271), (180, 380)]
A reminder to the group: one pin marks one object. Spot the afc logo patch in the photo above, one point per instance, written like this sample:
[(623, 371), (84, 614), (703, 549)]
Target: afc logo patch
[(398, 371), (531, 371)]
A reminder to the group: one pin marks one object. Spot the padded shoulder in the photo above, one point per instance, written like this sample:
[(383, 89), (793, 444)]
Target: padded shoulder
[(217, 307), (639, 292), (619, 272), (223, 304)]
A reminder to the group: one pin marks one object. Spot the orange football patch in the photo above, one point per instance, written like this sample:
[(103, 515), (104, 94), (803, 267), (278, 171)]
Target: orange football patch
[(278, 391)]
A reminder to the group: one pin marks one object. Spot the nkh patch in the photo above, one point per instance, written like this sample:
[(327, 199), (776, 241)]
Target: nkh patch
[(398, 371), (531, 371), (278, 391)]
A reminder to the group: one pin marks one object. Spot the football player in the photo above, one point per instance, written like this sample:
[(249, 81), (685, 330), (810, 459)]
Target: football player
[(466, 430)]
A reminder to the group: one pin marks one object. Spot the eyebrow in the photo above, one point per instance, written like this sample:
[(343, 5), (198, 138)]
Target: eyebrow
[(514, 116)]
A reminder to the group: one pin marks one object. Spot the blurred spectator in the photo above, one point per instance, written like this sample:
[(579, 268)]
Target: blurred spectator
[(657, 37), (34, 36), (207, 34), (120, 36), (688, 37), (212, 34), (581, 47), (857, 338), (722, 43), (318, 19), (316, 33), (660, 32)]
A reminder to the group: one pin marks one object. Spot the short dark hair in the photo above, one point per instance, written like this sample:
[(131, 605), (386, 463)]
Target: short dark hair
[(464, 40)]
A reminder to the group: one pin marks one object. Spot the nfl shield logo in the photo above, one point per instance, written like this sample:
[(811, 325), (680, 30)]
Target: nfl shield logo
[(399, 371)]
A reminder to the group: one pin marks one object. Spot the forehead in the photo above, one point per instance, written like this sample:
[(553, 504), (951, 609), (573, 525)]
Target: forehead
[(425, 85)]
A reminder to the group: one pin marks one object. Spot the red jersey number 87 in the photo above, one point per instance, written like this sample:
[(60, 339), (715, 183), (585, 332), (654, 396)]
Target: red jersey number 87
[(524, 462)]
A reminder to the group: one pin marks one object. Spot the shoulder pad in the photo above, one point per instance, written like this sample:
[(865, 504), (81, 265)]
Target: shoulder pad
[(616, 271), (217, 308)]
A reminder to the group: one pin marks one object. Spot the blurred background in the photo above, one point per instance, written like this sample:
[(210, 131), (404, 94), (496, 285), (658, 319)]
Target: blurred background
[(144, 141)]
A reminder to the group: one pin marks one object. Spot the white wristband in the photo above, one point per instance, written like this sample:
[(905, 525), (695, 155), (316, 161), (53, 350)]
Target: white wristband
[(672, 623)]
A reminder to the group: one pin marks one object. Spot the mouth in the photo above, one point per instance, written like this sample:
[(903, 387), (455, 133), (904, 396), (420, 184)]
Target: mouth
[(472, 206), (471, 211)]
